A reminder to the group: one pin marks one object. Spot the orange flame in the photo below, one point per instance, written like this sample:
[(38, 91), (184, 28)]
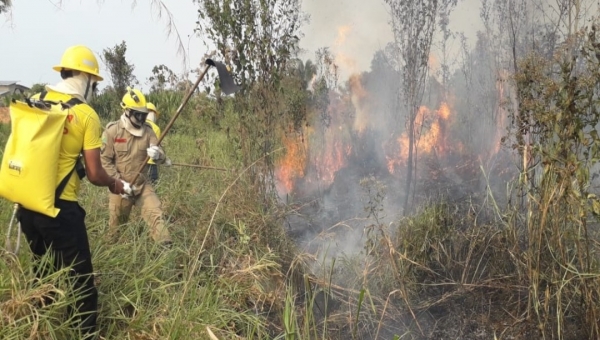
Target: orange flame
[(343, 60), (342, 34), (332, 160), (429, 128), (328, 152), (434, 64), (292, 165), (331, 152)]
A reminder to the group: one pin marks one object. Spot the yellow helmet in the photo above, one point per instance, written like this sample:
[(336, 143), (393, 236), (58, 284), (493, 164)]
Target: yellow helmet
[(135, 100), (152, 108), (79, 58)]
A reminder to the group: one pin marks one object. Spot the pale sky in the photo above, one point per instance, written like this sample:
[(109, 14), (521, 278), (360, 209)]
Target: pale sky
[(39, 32), (33, 39)]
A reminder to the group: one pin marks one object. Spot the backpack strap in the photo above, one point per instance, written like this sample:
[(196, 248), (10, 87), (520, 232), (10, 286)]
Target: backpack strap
[(65, 105), (72, 102), (39, 103), (62, 185), (79, 168)]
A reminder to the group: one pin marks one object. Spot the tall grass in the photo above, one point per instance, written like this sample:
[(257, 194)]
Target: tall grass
[(232, 287)]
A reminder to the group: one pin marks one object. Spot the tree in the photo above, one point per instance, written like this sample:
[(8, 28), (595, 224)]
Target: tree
[(382, 84), (162, 78), (37, 88), (413, 25), (306, 71), (121, 71), (258, 39), (559, 109), (517, 28), (5, 6)]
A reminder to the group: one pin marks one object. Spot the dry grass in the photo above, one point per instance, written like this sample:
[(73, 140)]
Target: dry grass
[(4, 115)]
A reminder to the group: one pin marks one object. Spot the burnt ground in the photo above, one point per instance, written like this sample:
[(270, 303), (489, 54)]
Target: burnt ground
[(461, 313), (336, 213)]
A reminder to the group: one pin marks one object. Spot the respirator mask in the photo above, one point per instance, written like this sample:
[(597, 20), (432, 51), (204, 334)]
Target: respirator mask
[(137, 118)]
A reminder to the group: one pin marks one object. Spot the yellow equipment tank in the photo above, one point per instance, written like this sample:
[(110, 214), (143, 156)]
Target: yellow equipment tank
[(28, 173)]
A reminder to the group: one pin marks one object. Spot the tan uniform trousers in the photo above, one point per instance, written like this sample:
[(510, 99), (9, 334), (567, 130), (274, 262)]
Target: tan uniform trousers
[(120, 208)]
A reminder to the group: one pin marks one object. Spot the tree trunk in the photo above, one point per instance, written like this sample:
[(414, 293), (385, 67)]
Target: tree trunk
[(409, 162)]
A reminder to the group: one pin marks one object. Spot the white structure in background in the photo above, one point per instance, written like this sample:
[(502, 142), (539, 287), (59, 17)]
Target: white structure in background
[(9, 87)]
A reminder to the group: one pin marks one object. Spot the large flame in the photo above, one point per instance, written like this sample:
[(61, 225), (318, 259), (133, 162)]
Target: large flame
[(338, 133), (327, 152), (334, 146), (331, 160), (292, 165), (430, 136)]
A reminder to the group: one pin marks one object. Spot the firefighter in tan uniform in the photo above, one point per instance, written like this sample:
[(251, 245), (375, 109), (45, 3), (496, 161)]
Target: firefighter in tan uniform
[(125, 145)]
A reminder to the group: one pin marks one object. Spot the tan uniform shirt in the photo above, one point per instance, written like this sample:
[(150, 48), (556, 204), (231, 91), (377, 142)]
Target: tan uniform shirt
[(123, 154)]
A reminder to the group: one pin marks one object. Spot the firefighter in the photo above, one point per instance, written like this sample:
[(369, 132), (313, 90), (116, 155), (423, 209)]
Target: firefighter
[(151, 120), (125, 145), (65, 235)]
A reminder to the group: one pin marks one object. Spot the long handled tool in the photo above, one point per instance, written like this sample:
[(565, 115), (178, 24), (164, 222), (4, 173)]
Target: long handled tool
[(228, 86), (8, 244), (199, 166)]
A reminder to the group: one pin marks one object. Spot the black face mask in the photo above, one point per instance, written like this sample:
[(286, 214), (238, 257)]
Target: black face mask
[(88, 95), (137, 118)]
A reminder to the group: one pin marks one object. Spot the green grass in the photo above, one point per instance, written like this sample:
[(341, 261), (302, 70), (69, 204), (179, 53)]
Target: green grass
[(233, 284), (233, 272)]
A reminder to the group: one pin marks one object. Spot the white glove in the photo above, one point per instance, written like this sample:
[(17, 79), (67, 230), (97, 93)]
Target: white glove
[(153, 152), (168, 162), (128, 189)]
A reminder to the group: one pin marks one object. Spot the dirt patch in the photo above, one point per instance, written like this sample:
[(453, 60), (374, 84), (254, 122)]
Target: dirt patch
[(4, 115)]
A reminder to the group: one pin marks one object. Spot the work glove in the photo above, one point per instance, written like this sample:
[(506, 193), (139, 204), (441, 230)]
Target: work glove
[(128, 189), (153, 152), (168, 162)]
